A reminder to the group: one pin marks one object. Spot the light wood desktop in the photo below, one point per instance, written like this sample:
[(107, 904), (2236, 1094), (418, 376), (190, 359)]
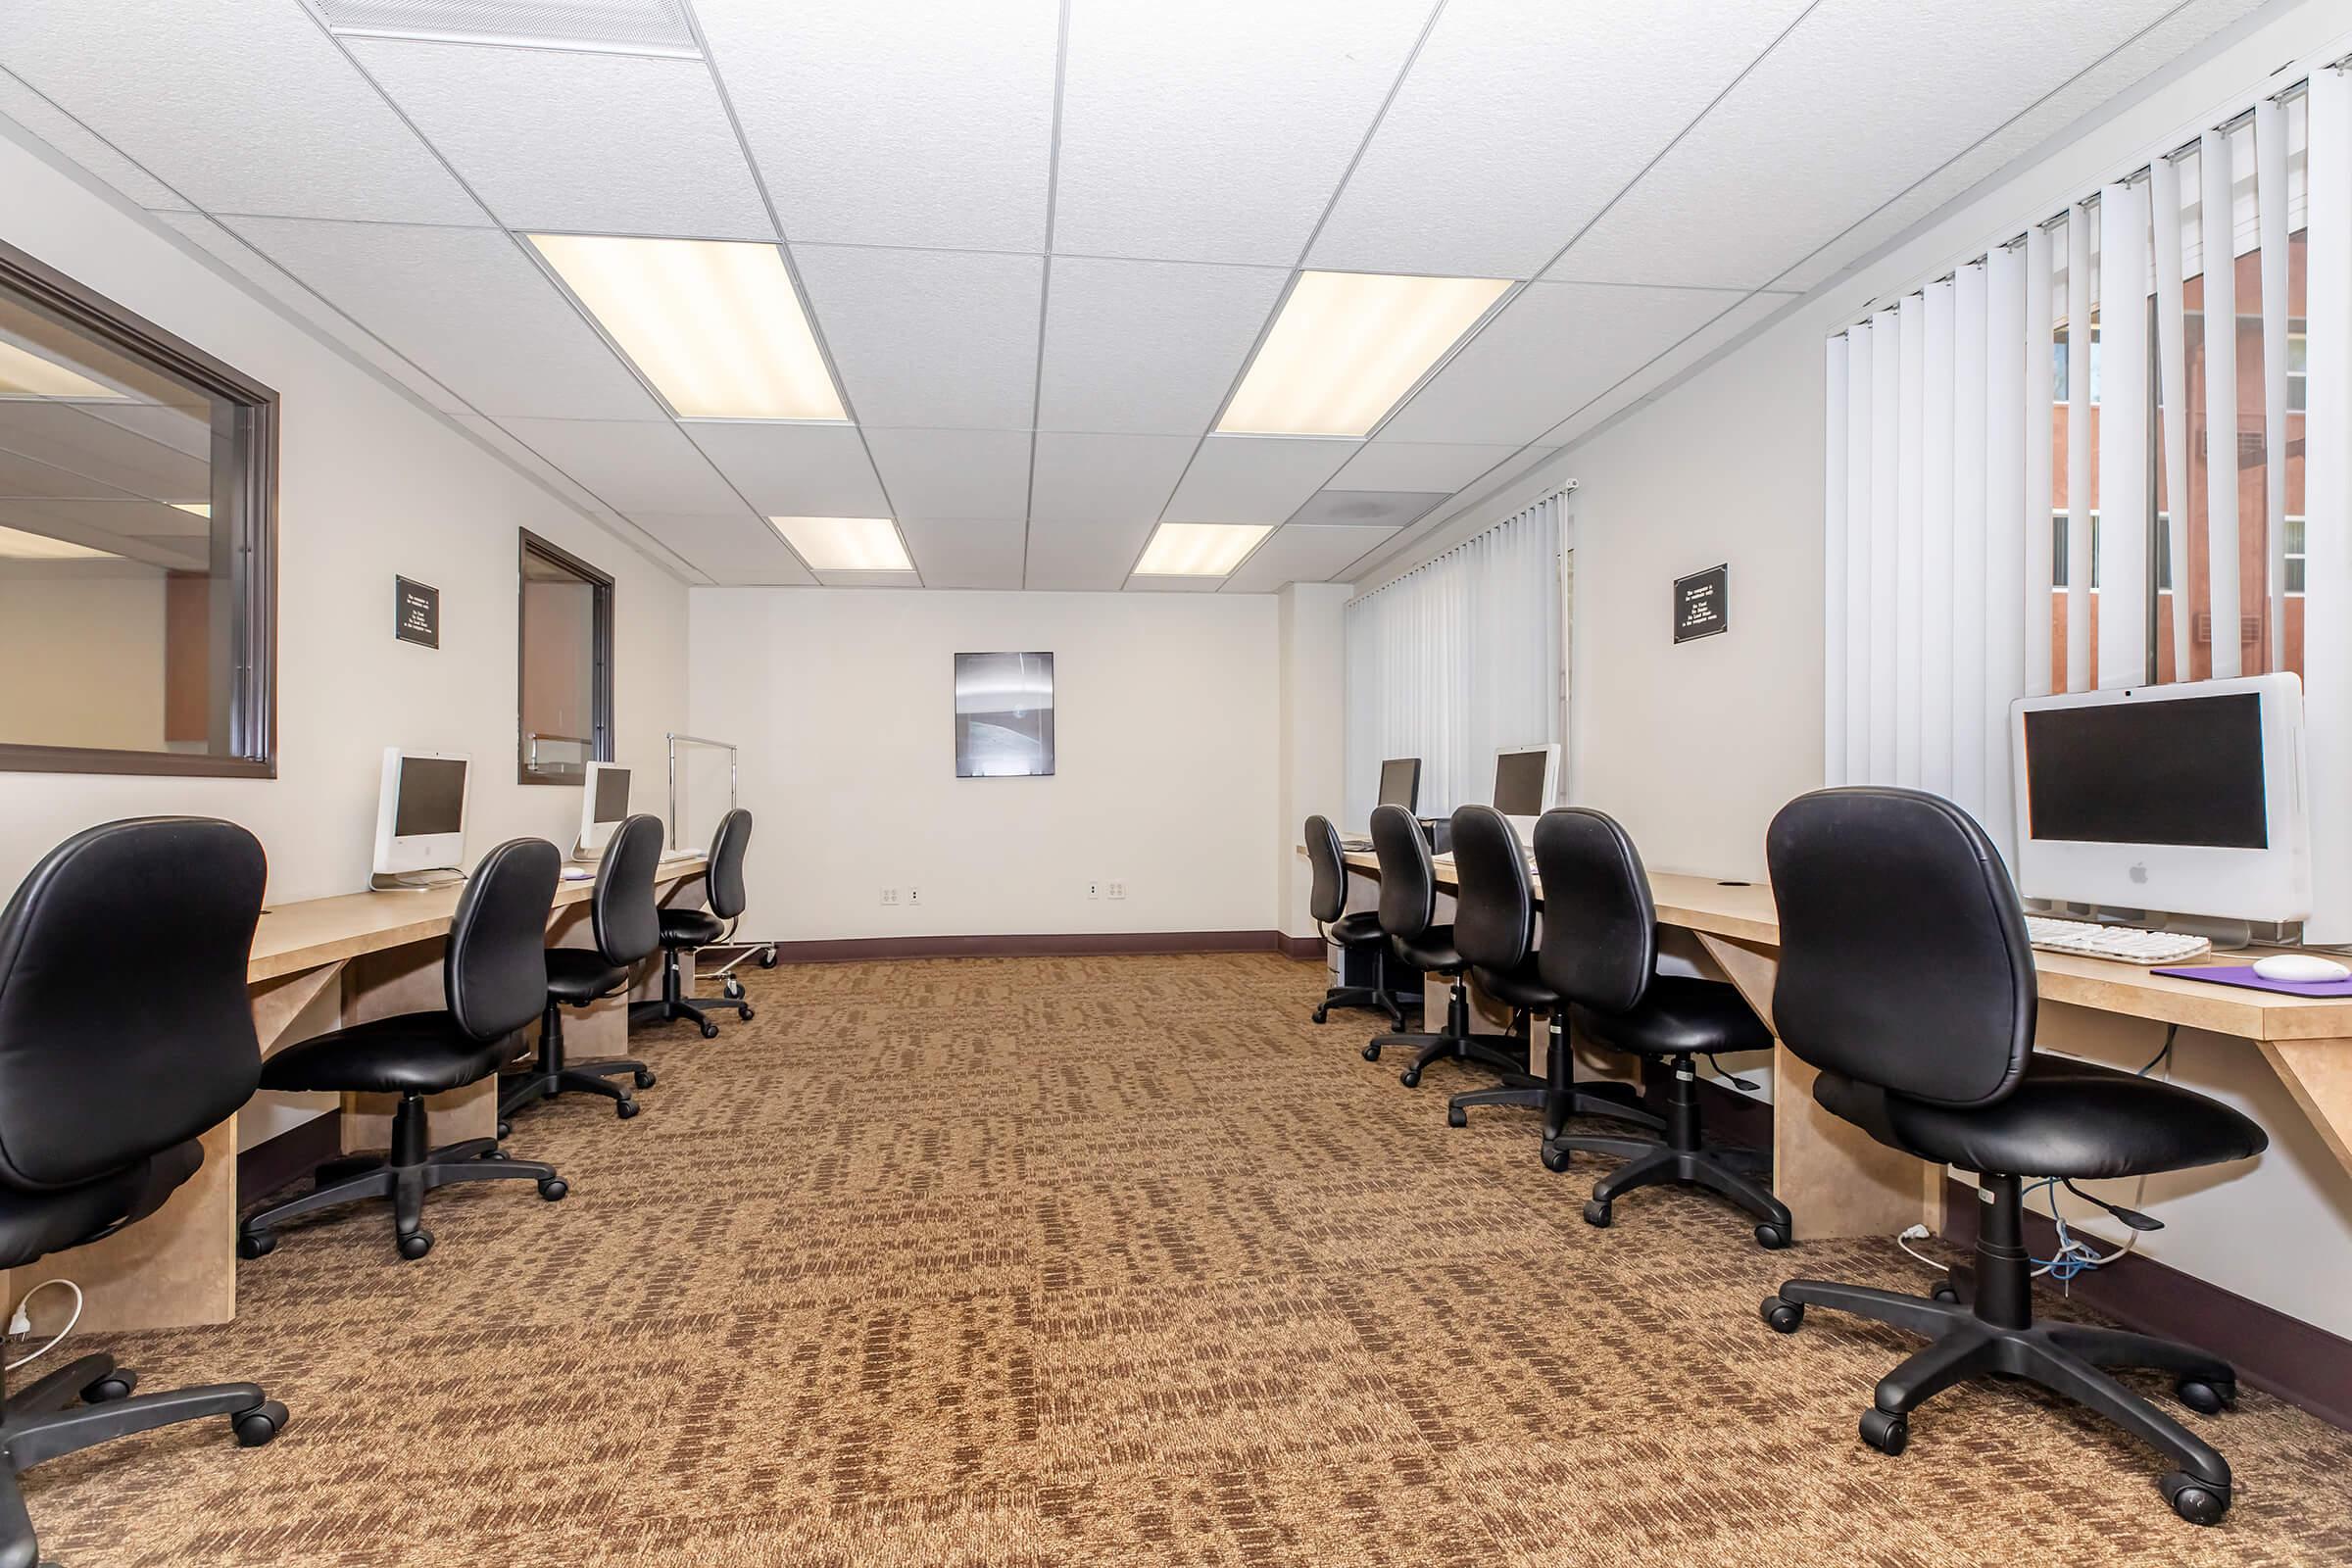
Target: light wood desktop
[(1838, 1181), (317, 965)]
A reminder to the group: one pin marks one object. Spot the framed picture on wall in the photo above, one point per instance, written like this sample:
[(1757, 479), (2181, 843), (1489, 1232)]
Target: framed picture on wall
[(1004, 716)]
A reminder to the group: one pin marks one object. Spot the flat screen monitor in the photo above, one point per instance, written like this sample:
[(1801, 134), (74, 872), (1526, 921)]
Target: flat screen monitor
[(603, 804), (1524, 780), (2185, 799), (1400, 782), (420, 812)]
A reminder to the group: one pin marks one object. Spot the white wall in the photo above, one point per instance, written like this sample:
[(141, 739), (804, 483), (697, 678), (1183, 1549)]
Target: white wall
[(369, 485), (1313, 727), (1167, 771)]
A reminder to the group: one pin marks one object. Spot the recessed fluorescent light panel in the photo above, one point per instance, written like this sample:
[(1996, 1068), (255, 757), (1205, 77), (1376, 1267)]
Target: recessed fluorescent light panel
[(845, 544), (714, 324), (1200, 549), (18, 545), (200, 509), (1348, 345), (625, 27), (25, 374)]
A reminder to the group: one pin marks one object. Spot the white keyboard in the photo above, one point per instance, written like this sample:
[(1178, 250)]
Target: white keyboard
[(2122, 942)]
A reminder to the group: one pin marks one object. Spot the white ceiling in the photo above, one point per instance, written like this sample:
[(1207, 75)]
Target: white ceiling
[(1040, 241)]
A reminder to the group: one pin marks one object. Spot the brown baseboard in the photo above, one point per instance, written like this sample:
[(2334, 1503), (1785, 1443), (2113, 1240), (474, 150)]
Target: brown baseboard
[(1309, 948), (1074, 944), (287, 1157), (2298, 1361)]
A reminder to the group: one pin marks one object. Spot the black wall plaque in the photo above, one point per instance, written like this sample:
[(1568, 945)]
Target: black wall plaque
[(416, 612), (1703, 604)]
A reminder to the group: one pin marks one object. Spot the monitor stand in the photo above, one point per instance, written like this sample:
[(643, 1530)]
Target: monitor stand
[(439, 876)]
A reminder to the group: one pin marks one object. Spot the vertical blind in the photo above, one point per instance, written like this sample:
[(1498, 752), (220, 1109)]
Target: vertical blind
[(1456, 659), (2080, 460)]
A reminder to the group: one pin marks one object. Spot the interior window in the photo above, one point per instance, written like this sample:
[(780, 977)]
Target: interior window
[(565, 665)]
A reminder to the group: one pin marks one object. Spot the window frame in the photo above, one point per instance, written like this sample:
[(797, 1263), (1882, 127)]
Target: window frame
[(253, 551), (599, 638)]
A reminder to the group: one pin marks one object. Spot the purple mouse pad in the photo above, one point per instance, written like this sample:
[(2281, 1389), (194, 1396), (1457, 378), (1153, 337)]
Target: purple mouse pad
[(2242, 974)]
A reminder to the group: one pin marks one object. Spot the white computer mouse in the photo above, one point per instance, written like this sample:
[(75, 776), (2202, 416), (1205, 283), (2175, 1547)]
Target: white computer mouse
[(2299, 968)]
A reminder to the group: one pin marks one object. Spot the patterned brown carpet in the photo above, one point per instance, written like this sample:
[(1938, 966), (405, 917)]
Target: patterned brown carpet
[(1103, 1261)]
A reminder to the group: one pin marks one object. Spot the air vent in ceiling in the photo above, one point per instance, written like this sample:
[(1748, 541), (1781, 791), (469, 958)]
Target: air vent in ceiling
[(621, 27), (1368, 509)]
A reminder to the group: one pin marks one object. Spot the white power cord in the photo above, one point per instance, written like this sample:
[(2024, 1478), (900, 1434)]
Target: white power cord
[(22, 1322), (1918, 1233)]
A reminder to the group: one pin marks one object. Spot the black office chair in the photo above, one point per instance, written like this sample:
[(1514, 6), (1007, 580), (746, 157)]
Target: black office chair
[(1408, 901), (1906, 978), (628, 926), (683, 930), (1357, 933), (494, 976), (1601, 952), (1495, 930), (101, 1108)]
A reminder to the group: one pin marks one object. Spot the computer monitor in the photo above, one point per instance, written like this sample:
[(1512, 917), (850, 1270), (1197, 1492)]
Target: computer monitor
[(2186, 798), (1525, 778), (421, 812), (604, 805), (1400, 782)]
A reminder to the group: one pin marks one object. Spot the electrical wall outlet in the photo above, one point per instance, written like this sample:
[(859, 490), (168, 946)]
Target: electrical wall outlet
[(890, 895), (1118, 890), (915, 894), (1093, 890)]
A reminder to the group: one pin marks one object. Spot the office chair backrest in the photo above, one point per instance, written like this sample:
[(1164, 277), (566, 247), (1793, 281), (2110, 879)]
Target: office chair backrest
[(1903, 954), (1408, 883), (495, 973), (1495, 904), (626, 923), (1600, 927), (725, 877), (1327, 899), (124, 1024)]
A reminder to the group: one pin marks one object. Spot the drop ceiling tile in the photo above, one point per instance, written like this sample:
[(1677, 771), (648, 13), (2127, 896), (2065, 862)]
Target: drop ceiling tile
[(1654, 379), (468, 307), (733, 547), (1254, 479), (80, 438), (630, 465), (1781, 166), (76, 141), (511, 447), (969, 555), (943, 339), (1385, 464), (1522, 119), (1083, 555), (1148, 345), (896, 121), (1300, 553), (243, 109), (1367, 509), (569, 140), (1553, 348), (1106, 478), (869, 579), (793, 471), (954, 473), (1217, 132)]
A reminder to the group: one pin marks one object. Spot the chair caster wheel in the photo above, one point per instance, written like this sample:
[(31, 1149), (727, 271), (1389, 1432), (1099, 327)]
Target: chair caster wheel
[(1411, 1077), (496, 1154), (625, 1108), (258, 1425), (1556, 1158), (2199, 1502), (732, 990), (1321, 1016), (506, 1129), (1888, 1434), (416, 1243), (1456, 1116), (552, 1189), (744, 1013), (1945, 1294), (709, 1030), (113, 1386), (767, 958), (1372, 1052), (2206, 1397), (645, 1078), (256, 1244), (1597, 1213), (1783, 1316), (1772, 1237)]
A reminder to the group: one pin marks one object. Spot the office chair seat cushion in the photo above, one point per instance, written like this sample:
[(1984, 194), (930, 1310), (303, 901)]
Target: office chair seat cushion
[(2064, 1118), (1433, 949), (581, 975), (36, 1224), (1522, 987), (422, 1051), (690, 928), (1358, 930), (1681, 1015)]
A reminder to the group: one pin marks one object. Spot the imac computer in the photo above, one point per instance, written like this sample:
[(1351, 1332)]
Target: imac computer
[(1400, 782), (2186, 799), (419, 819), (1525, 779), (604, 807)]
